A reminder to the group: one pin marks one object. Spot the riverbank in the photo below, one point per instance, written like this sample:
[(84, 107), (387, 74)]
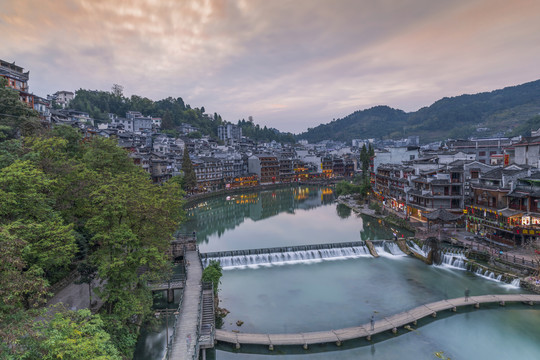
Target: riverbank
[(195, 198), (511, 262), (389, 218)]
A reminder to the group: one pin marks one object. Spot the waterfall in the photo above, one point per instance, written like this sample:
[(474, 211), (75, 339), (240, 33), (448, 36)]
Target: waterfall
[(487, 274), (253, 260), (389, 249), (415, 248), (456, 259), (453, 260)]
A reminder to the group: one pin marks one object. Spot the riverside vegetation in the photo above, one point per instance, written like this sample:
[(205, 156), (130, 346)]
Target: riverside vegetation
[(69, 203)]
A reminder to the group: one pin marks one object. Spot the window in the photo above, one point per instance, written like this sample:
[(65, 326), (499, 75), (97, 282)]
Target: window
[(482, 153)]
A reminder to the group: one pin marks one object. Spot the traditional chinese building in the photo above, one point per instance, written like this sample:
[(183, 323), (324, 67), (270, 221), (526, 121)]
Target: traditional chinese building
[(17, 79)]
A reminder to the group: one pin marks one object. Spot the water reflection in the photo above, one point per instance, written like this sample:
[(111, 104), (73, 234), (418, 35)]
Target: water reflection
[(343, 211), (292, 216), (218, 215)]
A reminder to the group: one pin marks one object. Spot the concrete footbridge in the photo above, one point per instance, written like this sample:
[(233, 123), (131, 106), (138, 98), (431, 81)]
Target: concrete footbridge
[(391, 323)]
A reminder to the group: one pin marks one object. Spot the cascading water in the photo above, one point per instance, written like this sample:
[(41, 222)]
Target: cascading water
[(389, 249), (487, 274), (515, 283), (453, 260), (288, 257), (415, 248)]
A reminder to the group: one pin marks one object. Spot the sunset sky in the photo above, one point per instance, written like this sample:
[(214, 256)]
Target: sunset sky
[(289, 64)]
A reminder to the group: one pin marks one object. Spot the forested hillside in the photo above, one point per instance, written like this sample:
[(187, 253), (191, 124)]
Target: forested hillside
[(173, 112), (499, 112), (72, 205)]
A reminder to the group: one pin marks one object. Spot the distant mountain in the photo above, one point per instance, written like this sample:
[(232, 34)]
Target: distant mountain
[(509, 111)]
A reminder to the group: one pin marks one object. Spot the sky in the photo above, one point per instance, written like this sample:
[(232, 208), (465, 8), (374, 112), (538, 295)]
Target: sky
[(289, 64)]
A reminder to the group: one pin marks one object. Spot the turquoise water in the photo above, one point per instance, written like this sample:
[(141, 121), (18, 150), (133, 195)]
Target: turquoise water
[(338, 293)]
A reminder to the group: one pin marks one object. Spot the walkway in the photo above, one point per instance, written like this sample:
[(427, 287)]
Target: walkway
[(184, 343), (366, 330)]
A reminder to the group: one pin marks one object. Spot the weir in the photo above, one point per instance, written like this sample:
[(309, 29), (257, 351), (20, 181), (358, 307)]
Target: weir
[(267, 256)]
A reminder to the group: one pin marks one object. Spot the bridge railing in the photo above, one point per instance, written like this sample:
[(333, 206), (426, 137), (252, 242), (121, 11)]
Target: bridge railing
[(172, 279), (208, 331), (496, 254), (173, 335), (197, 334)]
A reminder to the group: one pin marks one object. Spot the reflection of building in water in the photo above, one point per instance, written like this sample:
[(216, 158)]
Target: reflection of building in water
[(215, 216)]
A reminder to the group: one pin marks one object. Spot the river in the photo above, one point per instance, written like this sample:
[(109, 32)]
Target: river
[(323, 294)]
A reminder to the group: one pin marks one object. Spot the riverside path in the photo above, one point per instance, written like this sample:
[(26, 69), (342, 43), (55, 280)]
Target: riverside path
[(367, 330), (185, 342)]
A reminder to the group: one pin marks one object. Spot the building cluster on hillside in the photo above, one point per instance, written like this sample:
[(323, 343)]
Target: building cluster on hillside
[(230, 161), (495, 183)]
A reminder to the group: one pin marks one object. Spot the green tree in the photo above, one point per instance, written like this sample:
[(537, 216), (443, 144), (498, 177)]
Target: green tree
[(16, 118), (10, 150), (195, 135), (167, 121), (343, 211), (365, 159), (22, 285), (87, 272), (213, 273), (117, 90), (132, 225), (75, 335), (190, 179)]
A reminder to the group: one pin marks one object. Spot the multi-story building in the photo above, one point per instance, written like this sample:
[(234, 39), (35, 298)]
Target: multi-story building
[(350, 167), (286, 170), (266, 166), (232, 166), (17, 79), (186, 129), (133, 122), (327, 166), (504, 206), (527, 151), (415, 192), (229, 132), (43, 107), (209, 173), (301, 170), (391, 184), (160, 169), (62, 98), (483, 149), (338, 166)]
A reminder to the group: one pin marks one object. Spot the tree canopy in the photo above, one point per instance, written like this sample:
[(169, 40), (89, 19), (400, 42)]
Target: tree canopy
[(64, 200), (172, 111), (496, 112)]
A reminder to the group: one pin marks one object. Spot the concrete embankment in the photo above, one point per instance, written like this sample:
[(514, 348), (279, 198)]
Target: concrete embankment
[(403, 246), (371, 248), (359, 209)]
